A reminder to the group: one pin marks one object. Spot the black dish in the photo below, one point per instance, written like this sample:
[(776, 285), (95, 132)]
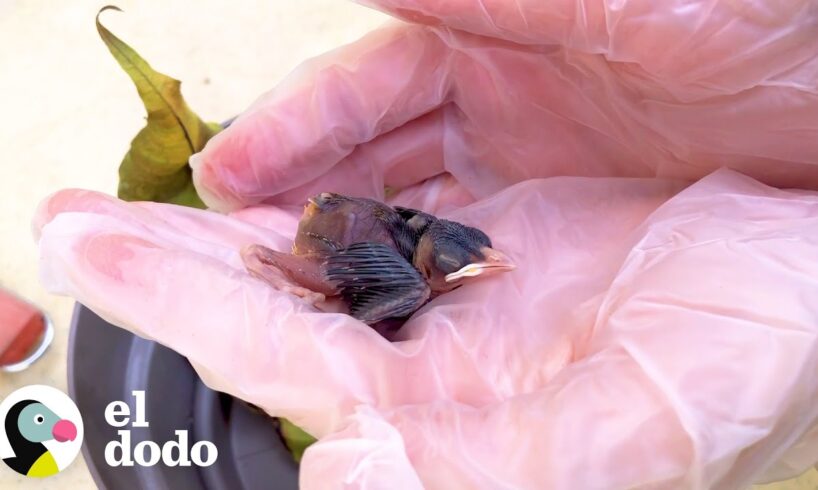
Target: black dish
[(106, 363)]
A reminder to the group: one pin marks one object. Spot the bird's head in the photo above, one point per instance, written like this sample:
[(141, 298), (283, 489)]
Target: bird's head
[(449, 253), (37, 423)]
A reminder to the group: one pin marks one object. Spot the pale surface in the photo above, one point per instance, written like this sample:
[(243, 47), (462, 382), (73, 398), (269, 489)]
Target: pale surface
[(242, 50), (70, 113)]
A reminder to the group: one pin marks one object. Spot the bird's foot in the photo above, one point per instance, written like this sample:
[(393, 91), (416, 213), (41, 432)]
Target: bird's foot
[(307, 295), (272, 267)]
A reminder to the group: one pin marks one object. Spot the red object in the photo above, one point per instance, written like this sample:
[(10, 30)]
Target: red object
[(64, 430), (21, 327)]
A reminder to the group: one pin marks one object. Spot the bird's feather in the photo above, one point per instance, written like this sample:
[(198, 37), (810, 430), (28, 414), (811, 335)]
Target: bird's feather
[(376, 281)]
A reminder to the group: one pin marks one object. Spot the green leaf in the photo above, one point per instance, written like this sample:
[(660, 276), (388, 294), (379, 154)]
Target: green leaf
[(156, 166), (297, 440)]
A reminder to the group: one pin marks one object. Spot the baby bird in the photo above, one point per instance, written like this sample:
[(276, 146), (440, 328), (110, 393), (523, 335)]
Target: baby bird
[(384, 262)]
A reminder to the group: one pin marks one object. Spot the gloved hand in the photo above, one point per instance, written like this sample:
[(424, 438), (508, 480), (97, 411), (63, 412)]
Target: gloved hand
[(655, 333)]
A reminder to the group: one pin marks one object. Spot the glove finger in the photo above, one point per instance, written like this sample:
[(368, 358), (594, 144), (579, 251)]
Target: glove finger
[(405, 156), (737, 45), (175, 227), (318, 116)]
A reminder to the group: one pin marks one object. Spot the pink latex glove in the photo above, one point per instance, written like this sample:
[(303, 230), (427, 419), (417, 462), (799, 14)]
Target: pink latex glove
[(655, 334)]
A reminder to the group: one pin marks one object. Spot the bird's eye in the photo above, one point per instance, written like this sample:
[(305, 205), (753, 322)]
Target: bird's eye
[(39, 419), (447, 262)]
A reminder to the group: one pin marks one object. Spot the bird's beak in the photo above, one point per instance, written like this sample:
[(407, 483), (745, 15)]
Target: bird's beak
[(495, 262), (64, 430)]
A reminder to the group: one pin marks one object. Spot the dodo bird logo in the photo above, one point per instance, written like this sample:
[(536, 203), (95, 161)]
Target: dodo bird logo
[(42, 431)]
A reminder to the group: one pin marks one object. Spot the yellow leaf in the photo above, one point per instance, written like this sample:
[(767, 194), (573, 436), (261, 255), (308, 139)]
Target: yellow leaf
[(156, 166)]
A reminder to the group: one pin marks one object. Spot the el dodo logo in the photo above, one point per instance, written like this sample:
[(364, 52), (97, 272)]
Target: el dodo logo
[(42, 431), (148, 453)]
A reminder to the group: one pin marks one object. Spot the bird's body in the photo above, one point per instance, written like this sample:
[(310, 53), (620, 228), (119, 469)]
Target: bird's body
[(332, 222), (384, 262)]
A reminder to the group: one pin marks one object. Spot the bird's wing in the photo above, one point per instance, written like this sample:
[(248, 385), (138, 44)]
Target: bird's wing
[(376, 282)]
